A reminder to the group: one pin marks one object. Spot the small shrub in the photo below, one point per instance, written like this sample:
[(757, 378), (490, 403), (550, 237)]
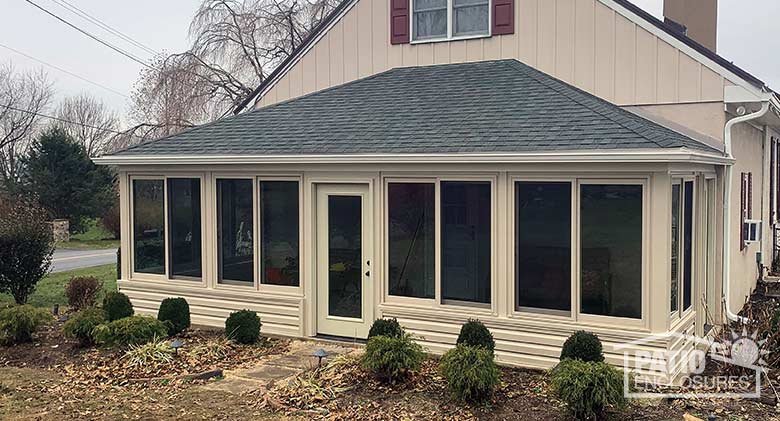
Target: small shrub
[(157, 351), (117, 306), (82, 291), (392, 358), (18, 323), (26, 246), (583, 346), (385, 327), (474, 333), (81, 325), (176, 312), (243, 326), (110, 221), (471, 372), (133, 330), (588, 387)]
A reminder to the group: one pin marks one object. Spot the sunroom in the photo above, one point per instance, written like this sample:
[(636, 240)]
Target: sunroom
[(431, 194)]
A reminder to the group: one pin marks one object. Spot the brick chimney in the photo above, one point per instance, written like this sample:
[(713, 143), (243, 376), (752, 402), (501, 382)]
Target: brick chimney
[(698, 19)]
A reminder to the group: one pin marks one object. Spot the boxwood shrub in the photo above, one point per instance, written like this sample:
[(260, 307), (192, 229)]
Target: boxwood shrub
[(385, 327), (176, 313), (117, 306), (583, 346), (474, 333), (243, 326)]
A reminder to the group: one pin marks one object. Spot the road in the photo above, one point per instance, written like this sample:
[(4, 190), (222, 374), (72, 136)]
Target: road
[(64, 260)]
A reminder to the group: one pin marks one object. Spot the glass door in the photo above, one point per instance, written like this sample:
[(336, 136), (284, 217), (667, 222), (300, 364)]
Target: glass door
[(344, 287)]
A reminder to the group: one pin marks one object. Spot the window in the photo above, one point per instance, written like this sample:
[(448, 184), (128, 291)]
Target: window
[(675, 260), (611, 250), (411, 239), (687, 244), (184, 227), (466, 241), (235, 230), (746, 207), (279, 222), (148, 226), (543, 245), (442, 19)]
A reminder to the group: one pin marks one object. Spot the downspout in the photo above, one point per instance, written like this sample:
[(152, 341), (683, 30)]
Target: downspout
[(727, 207)]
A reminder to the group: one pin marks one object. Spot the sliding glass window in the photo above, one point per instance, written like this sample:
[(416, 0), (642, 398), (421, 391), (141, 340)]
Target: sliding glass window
[(675, 258), (543, 245), (279, 233), (149, 226), (235, 231), (682, 245), (411, 239), (184, 225), (466, 241), (611, 250), (687, 244)]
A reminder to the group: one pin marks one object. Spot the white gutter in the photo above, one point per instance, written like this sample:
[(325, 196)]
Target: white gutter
[(683, 155), (727, 208)]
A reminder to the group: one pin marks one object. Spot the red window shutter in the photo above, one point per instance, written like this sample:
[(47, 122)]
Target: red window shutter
[(503, 17), (750, 195), (399, 21), (742, 205)]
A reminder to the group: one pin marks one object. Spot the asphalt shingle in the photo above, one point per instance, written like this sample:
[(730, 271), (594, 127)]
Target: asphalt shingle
[(489, 106)]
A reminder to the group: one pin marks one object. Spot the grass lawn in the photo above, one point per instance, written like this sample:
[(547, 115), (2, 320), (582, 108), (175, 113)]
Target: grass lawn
[(51, 289), (95, 237)]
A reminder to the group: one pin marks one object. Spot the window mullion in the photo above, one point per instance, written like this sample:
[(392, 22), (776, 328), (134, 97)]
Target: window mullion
[(449, 19)]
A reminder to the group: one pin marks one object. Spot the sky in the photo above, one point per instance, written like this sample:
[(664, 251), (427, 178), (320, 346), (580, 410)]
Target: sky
[(746, 36)]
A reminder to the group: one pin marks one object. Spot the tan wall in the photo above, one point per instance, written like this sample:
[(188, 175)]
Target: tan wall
[(525, 339), (748, 150), (706, 118), (582, 42)]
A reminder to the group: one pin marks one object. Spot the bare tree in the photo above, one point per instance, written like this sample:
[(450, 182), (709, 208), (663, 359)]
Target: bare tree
[(89, 121), (23, 97), (235, 45)]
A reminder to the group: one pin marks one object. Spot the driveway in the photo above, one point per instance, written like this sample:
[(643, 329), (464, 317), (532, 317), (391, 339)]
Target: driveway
[(64, 260)]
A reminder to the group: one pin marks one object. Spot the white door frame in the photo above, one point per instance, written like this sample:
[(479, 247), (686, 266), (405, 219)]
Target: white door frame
[(335, 325)]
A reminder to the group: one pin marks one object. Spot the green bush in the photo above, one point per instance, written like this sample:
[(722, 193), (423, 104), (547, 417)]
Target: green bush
[(133, 330), (392, 358), (82, 291), (175, 312), (26, 246), (471, 372), (385, 327), (117, 306), (474, 333), (243, 326), (588, 387), (583, 346), (18, 323), (81, 325)]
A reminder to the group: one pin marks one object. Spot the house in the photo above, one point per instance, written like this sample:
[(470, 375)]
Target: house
[(545, 166)]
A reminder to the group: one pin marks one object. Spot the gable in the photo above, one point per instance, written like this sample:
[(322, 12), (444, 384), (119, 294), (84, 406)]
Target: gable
[(597, 45)]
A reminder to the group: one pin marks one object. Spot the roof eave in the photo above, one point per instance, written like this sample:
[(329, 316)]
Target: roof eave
[(676, 155)]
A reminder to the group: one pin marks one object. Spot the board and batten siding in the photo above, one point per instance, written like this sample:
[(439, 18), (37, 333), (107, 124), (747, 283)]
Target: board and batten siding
[(583, 42)]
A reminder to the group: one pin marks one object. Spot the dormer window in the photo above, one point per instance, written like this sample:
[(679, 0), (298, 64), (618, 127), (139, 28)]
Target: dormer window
[(447, 19)]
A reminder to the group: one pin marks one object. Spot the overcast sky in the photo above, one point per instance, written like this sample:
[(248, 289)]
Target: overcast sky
[(746, 36)]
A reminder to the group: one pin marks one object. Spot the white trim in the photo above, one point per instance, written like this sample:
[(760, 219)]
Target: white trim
[(596, 156)]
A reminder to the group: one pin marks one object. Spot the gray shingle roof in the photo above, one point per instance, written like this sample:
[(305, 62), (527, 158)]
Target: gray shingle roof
[(489, 106)]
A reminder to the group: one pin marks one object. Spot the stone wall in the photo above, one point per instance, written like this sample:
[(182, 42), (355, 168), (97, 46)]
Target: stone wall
[(61, 230)]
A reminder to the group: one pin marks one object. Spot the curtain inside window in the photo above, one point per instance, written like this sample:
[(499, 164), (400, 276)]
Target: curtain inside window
[(430, 19), (470, 17)]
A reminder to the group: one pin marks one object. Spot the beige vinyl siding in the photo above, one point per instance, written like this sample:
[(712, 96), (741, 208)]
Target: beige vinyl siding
[(583, 42)]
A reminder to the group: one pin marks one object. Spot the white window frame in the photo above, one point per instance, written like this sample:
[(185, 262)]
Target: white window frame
[(141, 276), (450, 27), (438, 302)]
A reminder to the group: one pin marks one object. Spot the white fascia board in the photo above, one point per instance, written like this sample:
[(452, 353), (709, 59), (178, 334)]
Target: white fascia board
[(737, 95), (669, 39), (590, 156)]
